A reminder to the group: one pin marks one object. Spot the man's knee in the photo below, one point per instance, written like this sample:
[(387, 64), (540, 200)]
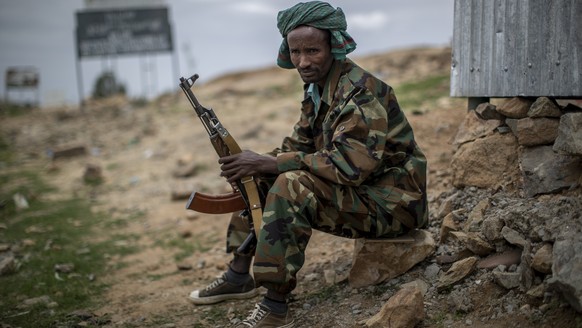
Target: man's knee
[(296, 181), (293, 187)]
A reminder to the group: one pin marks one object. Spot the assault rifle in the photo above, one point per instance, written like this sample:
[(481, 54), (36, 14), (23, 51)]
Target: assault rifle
[(245, 194)]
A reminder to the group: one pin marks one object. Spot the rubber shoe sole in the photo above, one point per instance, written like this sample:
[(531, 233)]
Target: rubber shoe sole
[(195, 299)]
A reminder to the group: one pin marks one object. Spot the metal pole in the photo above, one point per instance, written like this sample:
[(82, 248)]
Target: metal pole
[(175, 58), (79, 74), (176, 65), (154, 75), (80, 85), (38, 95)]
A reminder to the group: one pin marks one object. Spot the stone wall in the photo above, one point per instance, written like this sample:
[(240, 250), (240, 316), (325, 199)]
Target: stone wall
[(524, 159), (532, 146)]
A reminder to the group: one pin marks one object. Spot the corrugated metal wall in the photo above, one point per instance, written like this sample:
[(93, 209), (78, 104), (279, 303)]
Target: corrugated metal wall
[(507, 48)]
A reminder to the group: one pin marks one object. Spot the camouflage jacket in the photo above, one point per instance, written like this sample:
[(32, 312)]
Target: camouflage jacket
[(360, 137)]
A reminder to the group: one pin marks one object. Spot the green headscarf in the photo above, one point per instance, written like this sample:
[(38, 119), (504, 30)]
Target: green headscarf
[(320, 15)]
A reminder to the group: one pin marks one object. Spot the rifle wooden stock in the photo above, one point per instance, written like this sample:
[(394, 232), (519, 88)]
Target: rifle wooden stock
[(216, 204)]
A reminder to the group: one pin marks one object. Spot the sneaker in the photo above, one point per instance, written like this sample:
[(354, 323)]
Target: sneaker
[(221, 290), (262, 317)]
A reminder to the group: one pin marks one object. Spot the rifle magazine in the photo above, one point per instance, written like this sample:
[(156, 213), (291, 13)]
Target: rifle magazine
[(216, 204)]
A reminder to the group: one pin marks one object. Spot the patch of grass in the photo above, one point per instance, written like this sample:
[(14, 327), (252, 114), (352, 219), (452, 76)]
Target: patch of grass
[(327, 293), (117, 223), (121, 222), (55, 269), (412, 96), (112, 166), (156, 277), (214, 315), (272, 116), (185, 247), (139, 102), (380, 290), (438, 319), (159, 321), (25, 183), (5, 154), (12, 109), (187, 282)]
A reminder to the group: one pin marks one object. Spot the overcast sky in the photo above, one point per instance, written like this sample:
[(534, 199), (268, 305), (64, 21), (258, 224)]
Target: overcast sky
[(211, 37)]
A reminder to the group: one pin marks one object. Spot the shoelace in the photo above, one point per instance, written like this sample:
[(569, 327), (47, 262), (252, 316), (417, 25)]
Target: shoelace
[(257, 315), (219, 281)]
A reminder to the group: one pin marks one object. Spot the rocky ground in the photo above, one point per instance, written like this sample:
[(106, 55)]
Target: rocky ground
[(151, 155)]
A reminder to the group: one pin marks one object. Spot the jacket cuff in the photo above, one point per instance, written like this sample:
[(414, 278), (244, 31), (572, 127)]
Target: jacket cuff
[(289, 161)]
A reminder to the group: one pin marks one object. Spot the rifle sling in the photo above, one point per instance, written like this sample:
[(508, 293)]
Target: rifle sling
[(250, 186)]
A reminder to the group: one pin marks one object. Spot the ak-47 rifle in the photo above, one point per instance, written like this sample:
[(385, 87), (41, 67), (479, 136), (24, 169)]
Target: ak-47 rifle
[(245, 196)]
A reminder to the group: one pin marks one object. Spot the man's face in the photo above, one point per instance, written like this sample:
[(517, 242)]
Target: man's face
[(310, 53)]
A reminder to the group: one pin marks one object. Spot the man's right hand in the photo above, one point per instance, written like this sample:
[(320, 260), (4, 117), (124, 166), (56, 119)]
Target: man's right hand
[(245, 164)]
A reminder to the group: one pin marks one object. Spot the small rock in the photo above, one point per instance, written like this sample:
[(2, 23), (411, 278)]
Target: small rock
[(432, 271), (544, 107), (513, 237), (487, 111), (20, 201), (41, 300), (65, 268), (507, 280), (68, 151), (542, 260), (185, 233), (93, 174), (516, 107), (7, 265), (403, 310), (458, 271), (185, 171), (450, 224), (184, 266), (537, 291)]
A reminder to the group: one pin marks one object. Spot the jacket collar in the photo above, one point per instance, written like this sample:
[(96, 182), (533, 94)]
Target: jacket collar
[(332, 81)]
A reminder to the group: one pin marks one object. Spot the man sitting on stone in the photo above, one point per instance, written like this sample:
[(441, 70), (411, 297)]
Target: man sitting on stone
[(351, 167)]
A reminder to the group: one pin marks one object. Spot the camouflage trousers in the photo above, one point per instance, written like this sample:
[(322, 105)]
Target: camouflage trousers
[(297, 202)]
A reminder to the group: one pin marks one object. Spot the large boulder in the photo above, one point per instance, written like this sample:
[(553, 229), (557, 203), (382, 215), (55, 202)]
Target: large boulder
[(516, 107), (569, 138), (567, 270), (545, 171), (486, 162), (534, 131), (474, 127), (377, 261), (403, 310)]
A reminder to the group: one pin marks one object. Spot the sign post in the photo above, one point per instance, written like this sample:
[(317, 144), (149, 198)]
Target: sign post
[(23, 78), (122, 32)]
